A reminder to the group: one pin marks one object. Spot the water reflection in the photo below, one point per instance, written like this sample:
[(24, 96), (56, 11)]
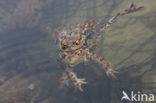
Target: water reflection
[(29, 69)]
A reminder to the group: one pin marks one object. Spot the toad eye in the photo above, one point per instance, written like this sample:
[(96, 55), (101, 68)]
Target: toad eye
[(77, 42), (64, 46)]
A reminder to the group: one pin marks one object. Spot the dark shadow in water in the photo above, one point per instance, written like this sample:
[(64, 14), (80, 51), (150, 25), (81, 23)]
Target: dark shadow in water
[(129, 82), (138, 49)]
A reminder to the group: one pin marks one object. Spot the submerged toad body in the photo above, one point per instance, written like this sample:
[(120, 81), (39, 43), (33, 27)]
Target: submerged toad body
[(77, 42)]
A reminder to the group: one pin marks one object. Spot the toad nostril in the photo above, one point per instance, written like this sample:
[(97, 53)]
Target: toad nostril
[(64, 46), (64, 55)]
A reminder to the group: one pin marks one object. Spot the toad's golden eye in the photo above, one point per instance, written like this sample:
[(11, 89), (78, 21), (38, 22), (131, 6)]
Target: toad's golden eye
[(64, 46), (77, 42)]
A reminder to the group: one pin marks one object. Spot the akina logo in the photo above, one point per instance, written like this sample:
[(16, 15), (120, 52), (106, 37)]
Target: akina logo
[(137, 96)]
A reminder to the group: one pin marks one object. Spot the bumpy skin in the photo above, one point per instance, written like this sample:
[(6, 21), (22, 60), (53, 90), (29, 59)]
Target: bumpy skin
[(76, 43)]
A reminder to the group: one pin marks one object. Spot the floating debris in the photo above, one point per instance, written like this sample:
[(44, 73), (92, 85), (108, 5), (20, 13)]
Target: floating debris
[(31, 87)]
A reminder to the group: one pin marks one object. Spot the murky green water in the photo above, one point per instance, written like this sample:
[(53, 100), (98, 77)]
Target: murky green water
[(29, 66)]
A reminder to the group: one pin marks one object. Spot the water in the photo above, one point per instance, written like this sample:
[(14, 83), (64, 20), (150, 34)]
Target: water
[(29, 65)]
